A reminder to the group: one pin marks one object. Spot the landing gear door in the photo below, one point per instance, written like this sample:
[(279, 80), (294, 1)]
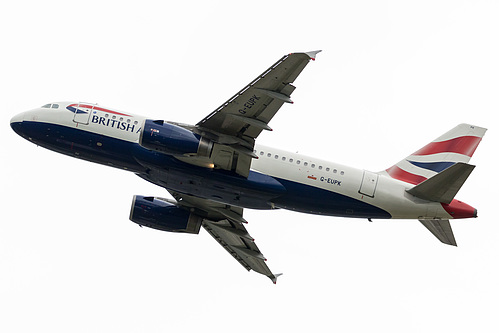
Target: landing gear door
[(368, 185), (82, 113)]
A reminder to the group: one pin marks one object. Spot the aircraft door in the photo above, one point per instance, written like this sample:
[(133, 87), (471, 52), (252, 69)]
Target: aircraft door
[(82, 113), (369, 182)]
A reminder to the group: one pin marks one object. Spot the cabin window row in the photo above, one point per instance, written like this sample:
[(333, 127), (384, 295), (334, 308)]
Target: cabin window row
[(121, 118), (299, 162)]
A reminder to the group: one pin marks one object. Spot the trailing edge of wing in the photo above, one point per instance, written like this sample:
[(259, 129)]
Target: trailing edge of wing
[(226, 225), (440, 229), (235, 239)]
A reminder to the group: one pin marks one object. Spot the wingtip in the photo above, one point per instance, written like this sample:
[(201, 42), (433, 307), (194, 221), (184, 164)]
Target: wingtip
[(274, 277), (313, 54)]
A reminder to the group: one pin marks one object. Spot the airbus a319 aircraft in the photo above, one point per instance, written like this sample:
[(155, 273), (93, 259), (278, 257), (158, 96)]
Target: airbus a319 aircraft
[(214, 169)]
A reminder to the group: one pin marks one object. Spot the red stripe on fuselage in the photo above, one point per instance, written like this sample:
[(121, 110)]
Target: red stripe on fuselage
[(398, 173), (465, 145), (99, 109)]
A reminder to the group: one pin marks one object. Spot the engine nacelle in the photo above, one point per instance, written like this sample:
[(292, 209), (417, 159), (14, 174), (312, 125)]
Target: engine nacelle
[(160, 214), (171, 139)]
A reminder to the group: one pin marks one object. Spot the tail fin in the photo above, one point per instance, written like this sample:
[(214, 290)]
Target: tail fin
[(455, 146)]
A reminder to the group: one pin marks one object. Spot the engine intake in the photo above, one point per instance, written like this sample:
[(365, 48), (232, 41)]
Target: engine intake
[(160, 214), (172, 139)]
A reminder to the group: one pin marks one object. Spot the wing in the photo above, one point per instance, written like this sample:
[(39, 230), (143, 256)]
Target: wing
[(226, 225), (237, 123)]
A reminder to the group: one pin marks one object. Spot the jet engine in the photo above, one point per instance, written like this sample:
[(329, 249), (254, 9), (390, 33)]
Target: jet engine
[(172, 139), (163, 215)]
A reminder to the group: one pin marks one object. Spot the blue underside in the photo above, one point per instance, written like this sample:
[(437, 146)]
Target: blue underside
[(258, 191)]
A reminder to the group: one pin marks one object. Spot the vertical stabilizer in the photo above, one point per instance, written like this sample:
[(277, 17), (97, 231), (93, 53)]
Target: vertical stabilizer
[(457, 145)]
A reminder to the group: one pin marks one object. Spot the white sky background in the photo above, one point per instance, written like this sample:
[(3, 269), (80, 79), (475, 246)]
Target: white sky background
[(393, 75)]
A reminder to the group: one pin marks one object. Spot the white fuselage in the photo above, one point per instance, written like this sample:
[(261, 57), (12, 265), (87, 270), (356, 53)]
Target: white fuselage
[(373, 189)]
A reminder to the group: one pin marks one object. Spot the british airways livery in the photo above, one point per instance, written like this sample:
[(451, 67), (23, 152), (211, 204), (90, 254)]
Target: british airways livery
[(214, 169)]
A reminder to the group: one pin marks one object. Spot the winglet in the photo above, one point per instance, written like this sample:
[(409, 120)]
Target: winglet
[(274, 277), (313, 54)]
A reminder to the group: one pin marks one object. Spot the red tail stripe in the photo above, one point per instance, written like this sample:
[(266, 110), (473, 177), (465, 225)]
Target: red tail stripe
[(465, 145), (398, 173)]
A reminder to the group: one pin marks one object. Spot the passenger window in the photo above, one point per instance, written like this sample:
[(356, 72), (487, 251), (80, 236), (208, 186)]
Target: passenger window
[(261, 153), (335, 171), (327, 169), (297, 161), (305, 164), (313, 165), (320, 167), (284, 158), (276, 157), (135, 122), (342, 173), (128, 120), (291, 160), (269, 154)]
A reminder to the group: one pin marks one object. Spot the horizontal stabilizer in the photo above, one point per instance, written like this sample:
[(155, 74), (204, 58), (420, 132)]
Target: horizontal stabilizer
[(444, 186), (440, 229)]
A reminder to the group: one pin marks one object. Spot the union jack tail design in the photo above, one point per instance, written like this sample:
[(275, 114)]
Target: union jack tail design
[(457, 145)]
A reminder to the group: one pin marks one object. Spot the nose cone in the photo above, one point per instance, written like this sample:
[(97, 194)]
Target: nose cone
[(17, 122)]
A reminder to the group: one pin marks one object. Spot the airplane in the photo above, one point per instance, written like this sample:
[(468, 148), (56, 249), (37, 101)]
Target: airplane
[(214, 169)]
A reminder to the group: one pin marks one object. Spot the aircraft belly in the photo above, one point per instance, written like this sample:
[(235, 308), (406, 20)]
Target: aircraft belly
[(222, 188), (256, 191), (313, 200)]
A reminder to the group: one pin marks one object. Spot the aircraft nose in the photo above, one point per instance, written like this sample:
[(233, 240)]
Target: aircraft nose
[(16, 123)]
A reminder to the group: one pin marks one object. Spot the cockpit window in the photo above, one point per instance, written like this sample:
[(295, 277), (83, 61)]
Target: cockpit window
[(53, 106)]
